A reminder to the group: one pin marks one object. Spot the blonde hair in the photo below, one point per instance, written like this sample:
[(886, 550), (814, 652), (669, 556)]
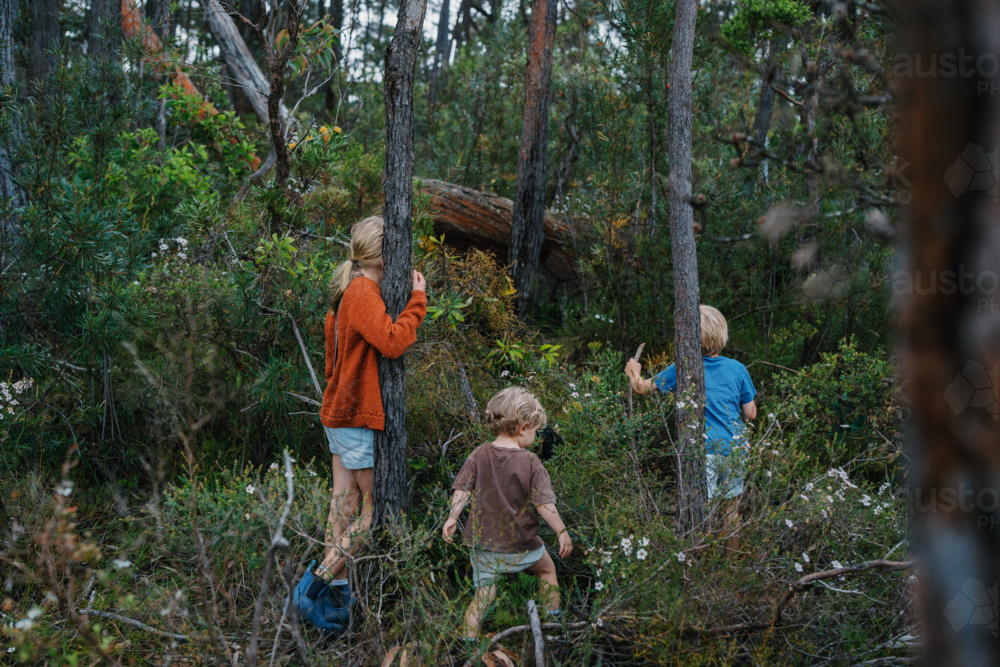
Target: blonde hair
[(366, 252), (714, 331), (512, 407)]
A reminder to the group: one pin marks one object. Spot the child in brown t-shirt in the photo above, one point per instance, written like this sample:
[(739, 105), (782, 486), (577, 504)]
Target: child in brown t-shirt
[(509, 489)]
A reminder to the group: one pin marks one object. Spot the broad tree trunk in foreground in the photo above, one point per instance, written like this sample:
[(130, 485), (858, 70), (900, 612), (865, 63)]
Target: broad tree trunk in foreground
[(949, 131), (8, 189), (526, 233), (390, 491), (44, 36), (692, 490)]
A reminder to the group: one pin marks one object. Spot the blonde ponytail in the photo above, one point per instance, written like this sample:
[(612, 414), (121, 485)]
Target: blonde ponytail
[(366, 251)]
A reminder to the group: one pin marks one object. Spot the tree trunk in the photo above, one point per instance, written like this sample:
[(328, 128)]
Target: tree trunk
[(526, 233), (946, 124), (239, 59), (390, 492), (337, 16), (687, 316), (9, 190), (765, 104), (45, 36), (441, 51)]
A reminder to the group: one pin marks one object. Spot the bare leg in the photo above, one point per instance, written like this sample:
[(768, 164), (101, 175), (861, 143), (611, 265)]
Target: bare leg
[(545, 570), (731, 522), (335, 562), (477, 609), (343, 504)]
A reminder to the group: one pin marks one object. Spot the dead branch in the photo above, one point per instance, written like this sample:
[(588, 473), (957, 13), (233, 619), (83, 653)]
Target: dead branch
[(134, 623), (536, 630), (517, 629)]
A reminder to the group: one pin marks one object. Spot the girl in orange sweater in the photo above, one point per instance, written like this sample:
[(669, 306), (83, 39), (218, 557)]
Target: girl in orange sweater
[(358, 330)]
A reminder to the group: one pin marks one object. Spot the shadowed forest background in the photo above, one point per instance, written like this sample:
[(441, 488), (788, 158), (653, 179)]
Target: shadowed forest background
[(162, 307)]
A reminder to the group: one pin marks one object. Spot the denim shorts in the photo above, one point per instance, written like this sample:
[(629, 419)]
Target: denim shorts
[(354, 446), (725, 475), (488, 565)]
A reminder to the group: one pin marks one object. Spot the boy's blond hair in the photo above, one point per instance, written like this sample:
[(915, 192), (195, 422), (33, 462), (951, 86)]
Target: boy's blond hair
[(512, 407), (714, 331)]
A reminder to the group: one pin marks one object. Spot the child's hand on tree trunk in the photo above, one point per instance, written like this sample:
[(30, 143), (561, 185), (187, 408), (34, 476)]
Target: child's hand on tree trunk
[(419, 283)]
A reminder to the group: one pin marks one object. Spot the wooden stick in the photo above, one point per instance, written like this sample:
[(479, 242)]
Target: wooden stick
[(500, 636), (536, 630), (133, 623)]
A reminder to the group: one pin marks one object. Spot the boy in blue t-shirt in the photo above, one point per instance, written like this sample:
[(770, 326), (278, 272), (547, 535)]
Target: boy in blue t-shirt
[(729, 401)]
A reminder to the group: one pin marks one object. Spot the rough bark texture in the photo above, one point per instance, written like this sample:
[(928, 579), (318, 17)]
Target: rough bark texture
[(44, 36), (390, 492), (238, 57), (8, 189), (527, 234), (950, 339), (687, 317)]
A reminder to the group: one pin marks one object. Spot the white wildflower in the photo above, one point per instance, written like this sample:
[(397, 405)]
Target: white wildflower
[(809, 486), (836, 565), (798, 567), (572, 386), (121, 563), (770, 415), (599, 585), (65, 488), (575, 395), (250, 489), (803, 497), (273, 466), (641, 554), (505, 374), (247, 516), (769, 474), (681, 556), (182, 255), (312, 473), (644, 542), (805, 556), (789, 523), (586, 395), (866, 500), (135, 282)]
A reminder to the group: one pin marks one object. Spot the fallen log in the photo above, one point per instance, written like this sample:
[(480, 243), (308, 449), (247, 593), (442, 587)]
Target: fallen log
[(475, 219)]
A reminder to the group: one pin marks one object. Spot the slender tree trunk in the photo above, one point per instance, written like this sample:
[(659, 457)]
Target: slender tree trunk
[(9, 190), (45, 36), (239, 59), (950, 338), (390, 492), (526, 232), (441, 51), (765, 104), (337, 16), (687, 316)]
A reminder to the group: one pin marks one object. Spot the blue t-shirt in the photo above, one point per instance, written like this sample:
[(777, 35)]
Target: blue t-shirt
[(727, 387)]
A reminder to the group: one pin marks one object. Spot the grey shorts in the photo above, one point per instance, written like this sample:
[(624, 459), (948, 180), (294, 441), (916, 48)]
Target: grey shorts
[(725, 475), (354, 446), (488, 565)]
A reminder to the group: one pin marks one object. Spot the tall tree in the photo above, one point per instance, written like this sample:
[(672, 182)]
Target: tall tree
[(336, 15), (44, 36), (526, 231), (239, 59), (687, 299), (947, 123), (9, 190), (390, 490), (442, 48)]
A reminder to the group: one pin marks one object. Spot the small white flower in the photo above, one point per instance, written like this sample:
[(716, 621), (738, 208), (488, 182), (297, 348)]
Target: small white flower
[(600, 623), (250, 489), (775, 452), (273, 466), (182, 255), (575, 395), (913, 577), (247, 516), (866, 500), (505, 374), (681, 556), (181, 240), (825, 515), (153, 255), (680, 404), (312, 473), (770, 415), (644, 542), (829, 499), (845, 426), (586, 395), (805, 556), (135, 282), (10, 649), (289, 474), (121, 563), (164, 247), (788, 522), (572, 386), (65, 488), (599, 585), (641, 554), (626, 542), (599, 571), (769, 474), (803, 497), (606, 560), (24, 624), (809, 486), (836, 565), (798, 567)]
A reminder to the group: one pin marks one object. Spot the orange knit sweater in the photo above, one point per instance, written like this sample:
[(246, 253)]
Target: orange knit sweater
[(353, 397)]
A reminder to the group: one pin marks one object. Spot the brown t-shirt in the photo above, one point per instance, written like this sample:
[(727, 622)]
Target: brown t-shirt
[(506, 486)]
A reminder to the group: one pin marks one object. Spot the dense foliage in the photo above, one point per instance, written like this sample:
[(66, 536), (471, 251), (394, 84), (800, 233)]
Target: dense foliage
[(165, 336)]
